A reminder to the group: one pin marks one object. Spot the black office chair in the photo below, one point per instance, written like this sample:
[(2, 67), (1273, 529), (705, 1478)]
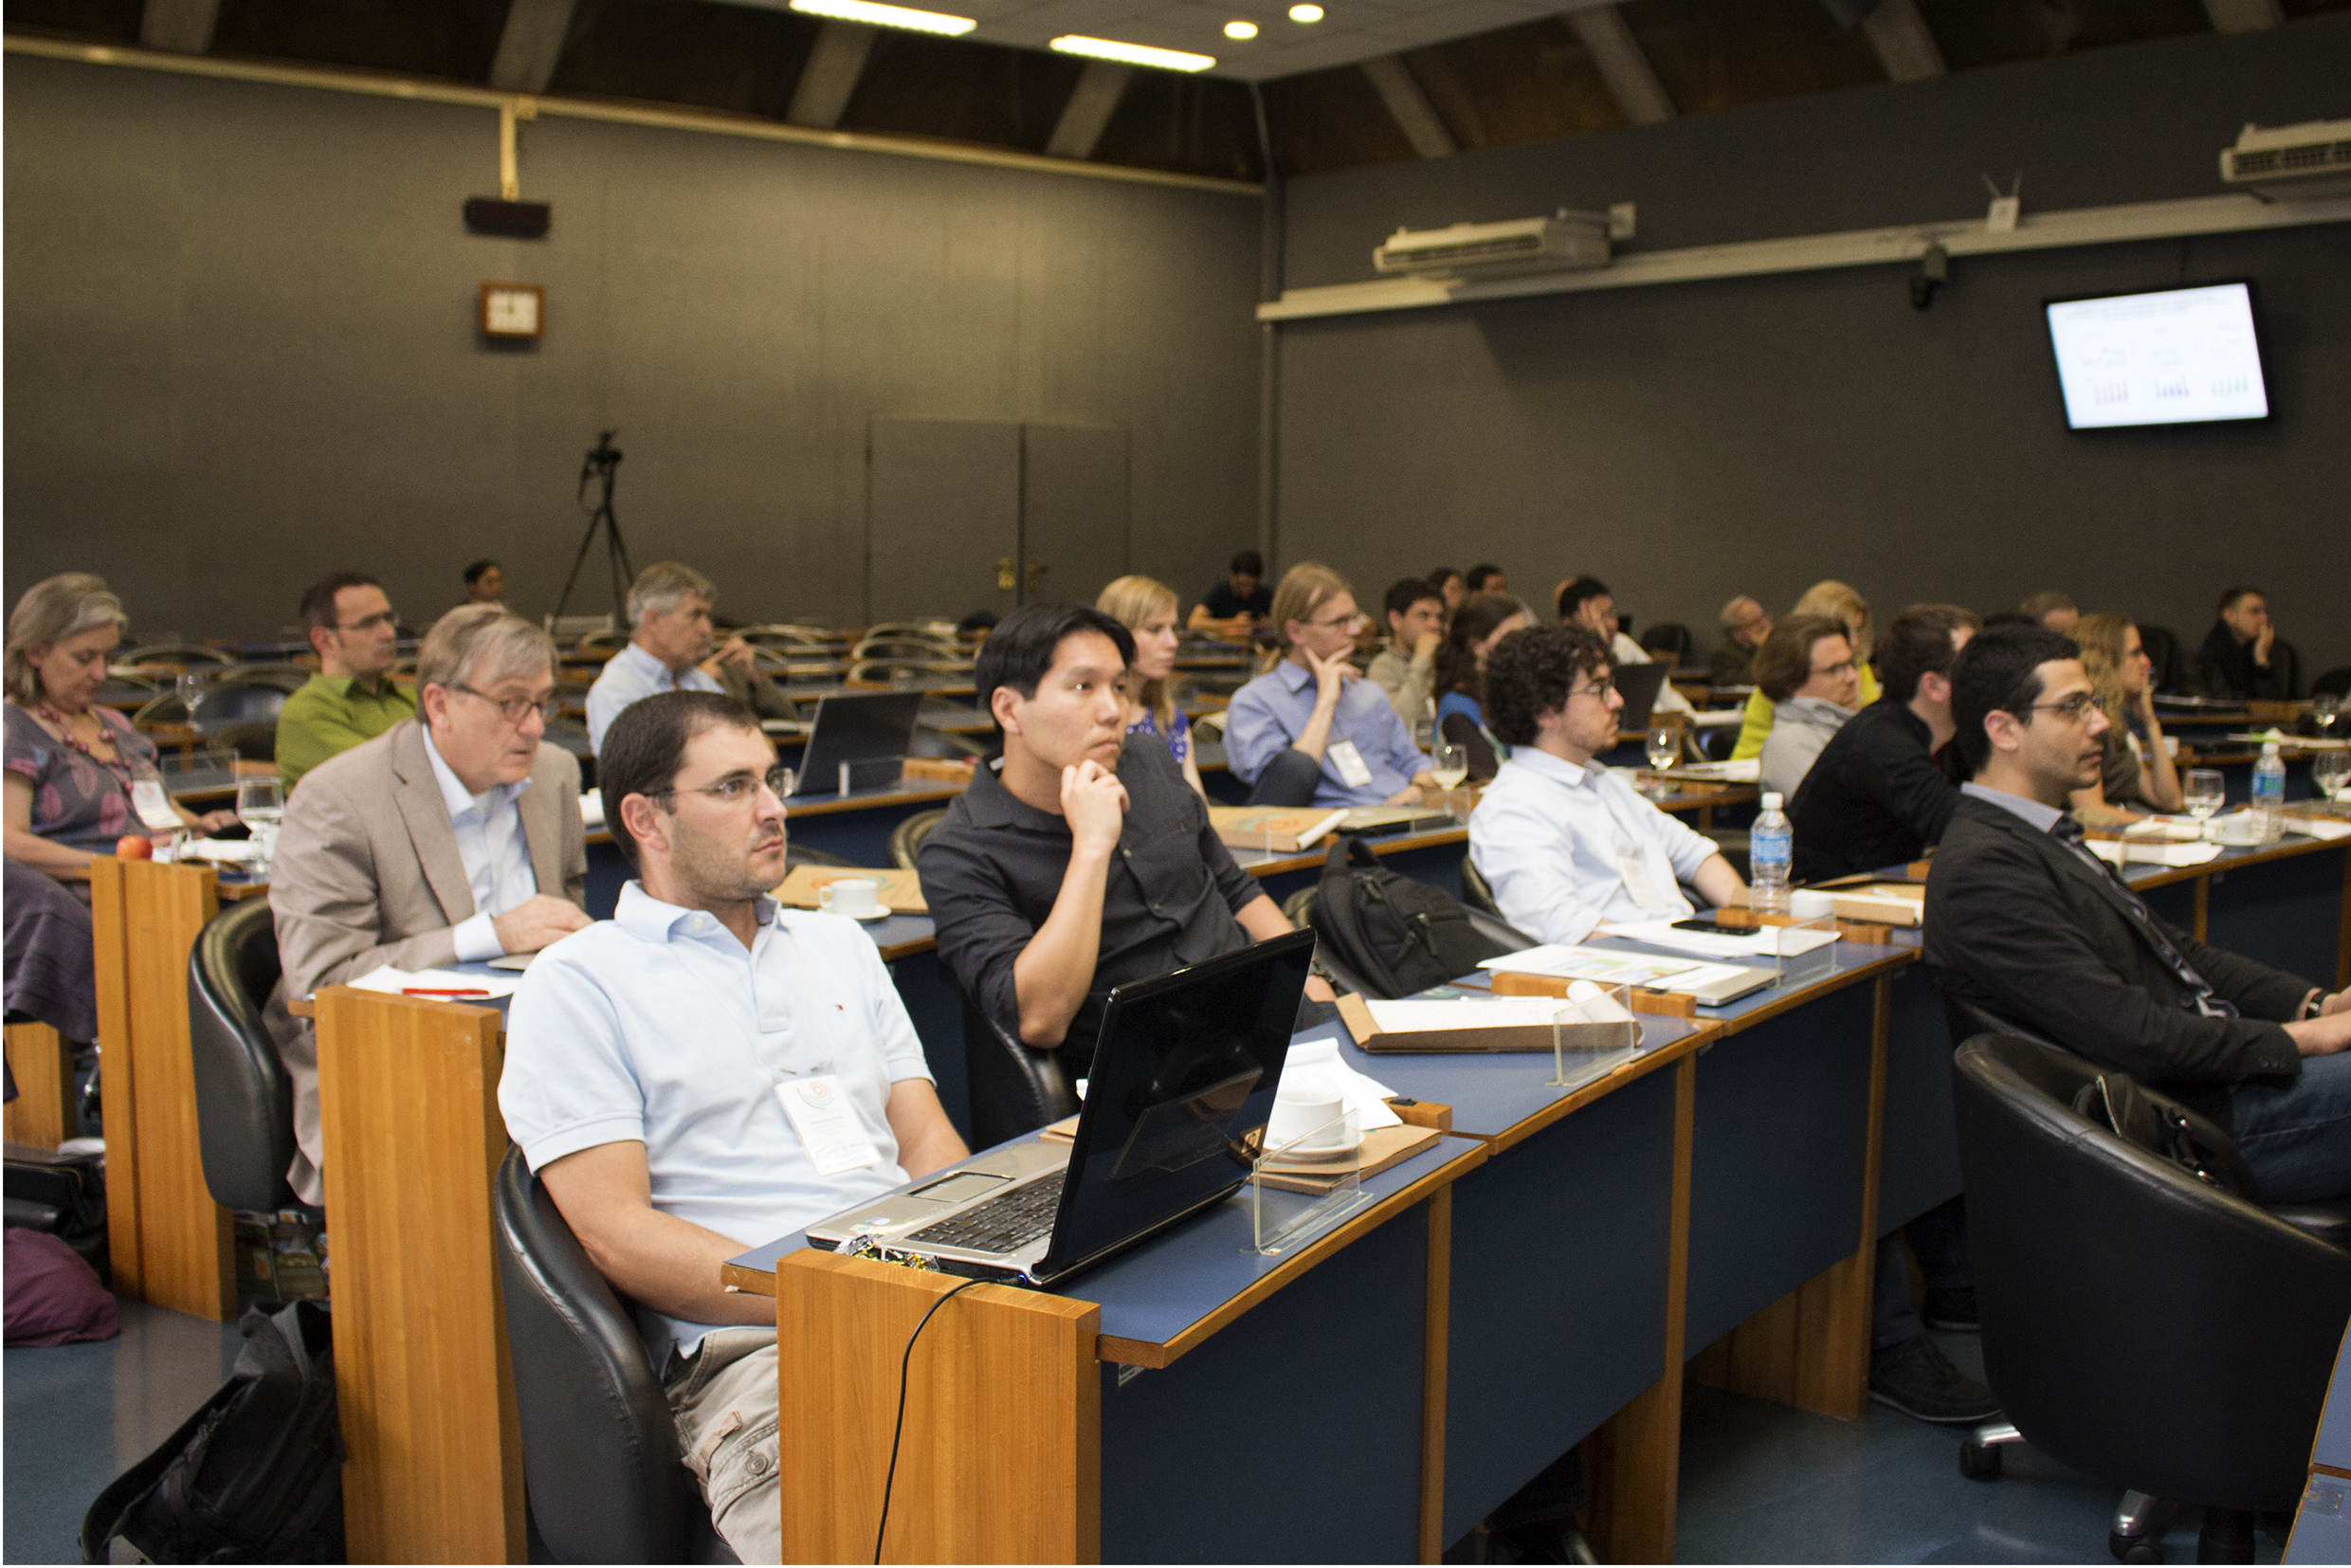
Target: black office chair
[(223, 706), (1717, 741), (1668, 642), (1015, 1088), (173, 656), (2160, 1334), (1474, 891), (255, 741), (2335, 682), (907, 838), (600, 1459), (795, 857), (245, 1101), (2162, 644)]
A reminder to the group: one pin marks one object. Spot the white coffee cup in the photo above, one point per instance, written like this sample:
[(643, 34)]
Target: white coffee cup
[(1314, 1116), (859, 897), (1811, 905), (2238, 830)]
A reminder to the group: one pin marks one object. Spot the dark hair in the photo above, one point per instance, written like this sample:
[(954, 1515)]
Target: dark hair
[(2228, 599), (2010, 617), (1247, 562), (1439, 576), (473, 572), (1019, 652), (1785, 660), (1530, 673), (1409, 591), (1916, 643), (1457, 658), (1572, 597), (646, 745), (1999, 671), (978, 620), (318, 610), (1480, 574)]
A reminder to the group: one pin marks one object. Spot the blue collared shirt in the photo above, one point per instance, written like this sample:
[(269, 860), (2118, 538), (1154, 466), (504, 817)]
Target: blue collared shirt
[(1270, 714), (631, 676), (2042, 818), (1553, 840), (657, 1027), (496, 855)]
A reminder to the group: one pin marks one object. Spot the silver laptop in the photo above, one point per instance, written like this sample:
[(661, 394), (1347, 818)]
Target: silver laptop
[(1182, 1085)]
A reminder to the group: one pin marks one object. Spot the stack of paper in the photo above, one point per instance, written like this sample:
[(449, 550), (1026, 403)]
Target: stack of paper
[(1603, 967), (395, 982), (1784, 940), (2136, 854), (591, 810)]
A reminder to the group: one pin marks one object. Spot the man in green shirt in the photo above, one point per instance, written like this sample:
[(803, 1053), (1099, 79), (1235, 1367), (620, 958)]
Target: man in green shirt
[(352, 698)]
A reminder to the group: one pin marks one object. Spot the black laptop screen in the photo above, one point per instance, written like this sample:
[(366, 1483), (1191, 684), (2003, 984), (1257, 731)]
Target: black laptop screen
[(1182, 1087)]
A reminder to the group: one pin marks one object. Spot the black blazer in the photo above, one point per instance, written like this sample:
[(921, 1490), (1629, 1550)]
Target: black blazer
[(2021, 926)]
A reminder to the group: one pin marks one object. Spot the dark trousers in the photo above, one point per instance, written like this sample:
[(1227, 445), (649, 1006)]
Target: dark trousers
[(1289, 779), (1939, 1239)]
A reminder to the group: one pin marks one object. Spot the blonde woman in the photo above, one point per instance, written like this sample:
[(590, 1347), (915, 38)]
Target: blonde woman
[(1311, 730), (2123, 676), (1840, 604), (1146, 607)]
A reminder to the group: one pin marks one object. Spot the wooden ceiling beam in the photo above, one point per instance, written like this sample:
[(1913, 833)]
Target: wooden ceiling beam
[(2241, 15), (183, 26), (531, 45), (1631, 80), (834, 64), (1092, 102), (1905, 45), (1410, 107)]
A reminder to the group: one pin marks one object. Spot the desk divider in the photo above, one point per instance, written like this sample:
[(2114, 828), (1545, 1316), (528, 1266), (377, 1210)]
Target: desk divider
[(168, 1241), (42, 1109), (407, 1092), (1001, 1456)]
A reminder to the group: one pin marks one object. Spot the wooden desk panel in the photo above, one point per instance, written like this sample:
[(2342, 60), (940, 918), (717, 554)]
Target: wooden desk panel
[(41, 1113)]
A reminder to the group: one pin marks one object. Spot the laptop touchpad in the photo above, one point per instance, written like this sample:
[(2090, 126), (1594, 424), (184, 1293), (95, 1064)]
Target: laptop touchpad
[(956, 1188)]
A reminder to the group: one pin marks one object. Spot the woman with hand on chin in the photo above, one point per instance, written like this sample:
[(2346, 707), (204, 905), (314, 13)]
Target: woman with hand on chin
[(70, 768), (1310, 730), (2137, 769), (1146, 607)]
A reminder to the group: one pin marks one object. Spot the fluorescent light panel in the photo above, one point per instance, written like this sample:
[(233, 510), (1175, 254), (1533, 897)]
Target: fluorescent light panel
[(1132, 54), (887, 16)]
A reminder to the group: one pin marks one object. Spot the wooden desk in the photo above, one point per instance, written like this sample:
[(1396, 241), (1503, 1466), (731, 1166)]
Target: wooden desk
[(42, 1114), (1081, 1453)]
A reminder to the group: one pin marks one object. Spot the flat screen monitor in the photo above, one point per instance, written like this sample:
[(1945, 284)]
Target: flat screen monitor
[(2172, 356)]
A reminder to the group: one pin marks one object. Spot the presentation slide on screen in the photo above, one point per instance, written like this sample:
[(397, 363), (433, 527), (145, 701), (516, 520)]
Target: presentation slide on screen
[(2176, 357)]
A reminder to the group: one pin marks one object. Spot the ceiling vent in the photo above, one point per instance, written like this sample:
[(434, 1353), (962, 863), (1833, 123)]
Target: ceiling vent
[(1566, 242), (2291, 164)]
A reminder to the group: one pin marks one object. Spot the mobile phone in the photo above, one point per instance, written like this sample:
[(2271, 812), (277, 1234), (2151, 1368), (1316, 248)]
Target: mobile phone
[(1712, 928)]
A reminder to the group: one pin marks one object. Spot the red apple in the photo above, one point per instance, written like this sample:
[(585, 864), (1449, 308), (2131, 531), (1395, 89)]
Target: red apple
[(134, 847)]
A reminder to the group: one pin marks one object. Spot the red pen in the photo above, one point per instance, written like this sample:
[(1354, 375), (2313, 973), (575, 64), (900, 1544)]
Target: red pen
[(423, 991)]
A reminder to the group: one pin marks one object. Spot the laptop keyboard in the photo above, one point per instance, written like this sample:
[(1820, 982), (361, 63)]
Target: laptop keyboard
[(1005, 1223)]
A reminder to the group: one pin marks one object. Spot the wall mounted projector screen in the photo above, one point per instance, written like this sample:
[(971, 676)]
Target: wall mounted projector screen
[(2176, 357)]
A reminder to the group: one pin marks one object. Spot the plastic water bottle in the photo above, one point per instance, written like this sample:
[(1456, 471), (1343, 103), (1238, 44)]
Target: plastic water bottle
[(2269, 793), (1771, 849)]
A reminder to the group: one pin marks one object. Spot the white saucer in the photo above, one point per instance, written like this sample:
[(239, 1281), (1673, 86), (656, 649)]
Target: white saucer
[(881, 912), (1319, 1157)]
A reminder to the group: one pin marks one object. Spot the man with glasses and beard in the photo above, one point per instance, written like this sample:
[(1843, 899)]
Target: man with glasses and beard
[(355, 633)]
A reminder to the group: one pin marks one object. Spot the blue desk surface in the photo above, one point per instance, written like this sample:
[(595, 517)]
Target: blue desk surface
[(1504, 1095), (1155, 1293)]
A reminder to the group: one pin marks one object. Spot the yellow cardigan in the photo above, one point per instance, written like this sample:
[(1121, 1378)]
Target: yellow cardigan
[(1757, 727)]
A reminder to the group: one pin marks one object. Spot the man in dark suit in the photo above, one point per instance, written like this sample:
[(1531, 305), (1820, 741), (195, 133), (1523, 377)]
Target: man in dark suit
[(2024, 921), (2244, 657)]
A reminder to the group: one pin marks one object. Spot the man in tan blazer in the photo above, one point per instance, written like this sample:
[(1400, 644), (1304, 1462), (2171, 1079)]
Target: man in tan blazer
[(451, 837)]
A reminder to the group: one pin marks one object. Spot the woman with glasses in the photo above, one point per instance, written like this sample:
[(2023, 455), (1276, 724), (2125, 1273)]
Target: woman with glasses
[(1310, 730), (1806, 668), (2137, 768), (72, 768), (1840, 604), (1146, 607)]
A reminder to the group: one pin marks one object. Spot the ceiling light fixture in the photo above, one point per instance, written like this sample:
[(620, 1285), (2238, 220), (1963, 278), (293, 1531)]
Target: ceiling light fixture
[(887, 16), (1305, 13), (1243, 30), (1133, 54)]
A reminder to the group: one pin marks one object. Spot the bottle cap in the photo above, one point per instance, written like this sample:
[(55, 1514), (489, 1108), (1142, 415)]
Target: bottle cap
[(1770, 801)]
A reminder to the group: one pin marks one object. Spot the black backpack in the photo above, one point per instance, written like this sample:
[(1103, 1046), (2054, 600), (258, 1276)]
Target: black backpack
[(1396, 935), (256, 1475), (2159, 1125), (64, 1196)]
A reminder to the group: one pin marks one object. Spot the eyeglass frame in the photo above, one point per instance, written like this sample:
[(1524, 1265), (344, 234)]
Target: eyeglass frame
[(778, 779), (386, 617), (2076, 708), (512, 708)]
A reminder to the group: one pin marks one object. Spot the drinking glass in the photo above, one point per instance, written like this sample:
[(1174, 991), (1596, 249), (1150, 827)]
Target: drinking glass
[(2331, 772), (260, 806), (189, 687), (1665, 747), (1449, 764), (2324, 708), (2205, 792)]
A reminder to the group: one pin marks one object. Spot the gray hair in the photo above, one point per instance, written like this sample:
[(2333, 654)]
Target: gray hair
[(53, 611), (1730, 611), (660, 586), (477, 643)]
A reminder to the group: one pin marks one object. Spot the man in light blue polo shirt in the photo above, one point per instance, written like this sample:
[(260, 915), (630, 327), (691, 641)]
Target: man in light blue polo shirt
[(707, 1071), (670, 638), (1311, 730)]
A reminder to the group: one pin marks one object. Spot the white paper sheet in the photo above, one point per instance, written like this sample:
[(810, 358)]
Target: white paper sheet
[(1782, 939), (2151, 854), (1566, 961), (591, 809), (2318, 827), (393, 981), (1316, 1065)]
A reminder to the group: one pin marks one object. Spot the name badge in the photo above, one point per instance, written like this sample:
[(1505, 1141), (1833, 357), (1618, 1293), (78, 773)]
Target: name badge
[(1353, 771), (154, 806), (1632, 865), (829, 1129)]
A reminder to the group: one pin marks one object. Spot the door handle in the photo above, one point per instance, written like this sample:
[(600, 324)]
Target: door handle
[(1036, 570), (1005, 582)]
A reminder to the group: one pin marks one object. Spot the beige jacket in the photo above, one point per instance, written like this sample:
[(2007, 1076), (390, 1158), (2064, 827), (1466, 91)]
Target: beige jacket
[(367, 873)]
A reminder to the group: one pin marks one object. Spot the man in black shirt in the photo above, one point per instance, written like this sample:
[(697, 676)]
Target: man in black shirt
[(2243, 656), (1240, 602), (1087, 861), (1876, 795)]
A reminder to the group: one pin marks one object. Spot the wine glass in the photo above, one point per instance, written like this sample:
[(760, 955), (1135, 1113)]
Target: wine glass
[(2325, 705), (2205, 793), (1449, 764), (1425, 726), (260, 806), (2331, 772), (1664, 748)]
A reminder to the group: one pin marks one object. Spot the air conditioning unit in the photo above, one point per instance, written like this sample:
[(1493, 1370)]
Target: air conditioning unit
[(1562, 243), (2294, 162)]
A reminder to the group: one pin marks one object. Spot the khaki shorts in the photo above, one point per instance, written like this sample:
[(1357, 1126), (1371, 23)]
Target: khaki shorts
[(723, 1399)]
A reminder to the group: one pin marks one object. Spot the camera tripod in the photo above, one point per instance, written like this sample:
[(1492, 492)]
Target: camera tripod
[(601, 463)]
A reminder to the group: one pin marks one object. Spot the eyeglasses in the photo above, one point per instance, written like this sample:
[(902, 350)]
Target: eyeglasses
[(2073, 709), (1845, 668), (735, 789), (370, 623), (1344, 622), (514, 710), (1600, 691)]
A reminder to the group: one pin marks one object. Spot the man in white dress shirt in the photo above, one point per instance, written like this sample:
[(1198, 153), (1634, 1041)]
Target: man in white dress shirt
[(1567, 847), (669, 649), (450, 837), (662, 1065)]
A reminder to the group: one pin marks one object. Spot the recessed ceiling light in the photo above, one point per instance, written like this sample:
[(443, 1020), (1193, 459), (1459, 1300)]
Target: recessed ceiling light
[(886, 16), (1241, 29), (1305, 13), (1133, 54)]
